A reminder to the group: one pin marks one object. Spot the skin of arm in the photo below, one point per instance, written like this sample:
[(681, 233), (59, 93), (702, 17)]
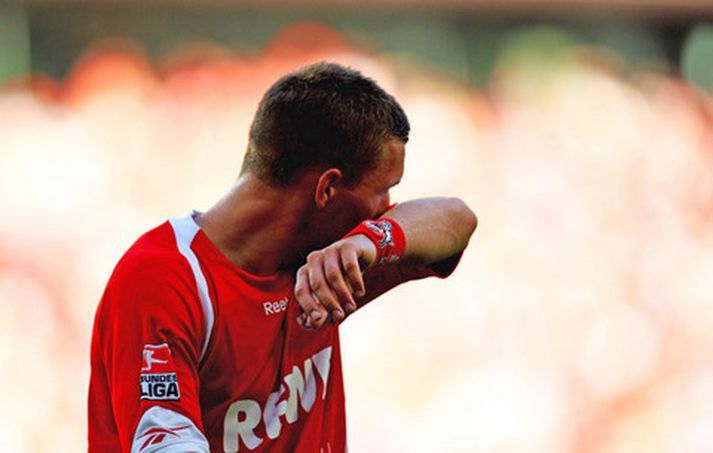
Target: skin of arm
[(327, 285)]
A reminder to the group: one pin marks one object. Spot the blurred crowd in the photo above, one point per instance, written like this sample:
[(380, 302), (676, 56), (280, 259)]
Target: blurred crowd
[(580, 319)]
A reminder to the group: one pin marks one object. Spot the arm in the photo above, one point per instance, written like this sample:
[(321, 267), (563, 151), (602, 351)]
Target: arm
[(435, 228), (145, 353), (331, 283)]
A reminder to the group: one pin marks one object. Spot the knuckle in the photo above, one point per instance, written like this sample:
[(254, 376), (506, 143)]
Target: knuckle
[(333, 275), (351, 266), (314, 256), (302, 274), (317, 284)]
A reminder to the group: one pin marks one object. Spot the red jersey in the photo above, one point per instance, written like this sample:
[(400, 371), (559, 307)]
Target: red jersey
[(191, 353)]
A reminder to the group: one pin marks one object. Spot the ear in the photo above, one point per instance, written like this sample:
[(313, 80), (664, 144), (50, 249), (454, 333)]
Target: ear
[(326, 187)]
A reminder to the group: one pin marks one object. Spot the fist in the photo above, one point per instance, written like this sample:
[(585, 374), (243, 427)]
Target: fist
[(328, 285)]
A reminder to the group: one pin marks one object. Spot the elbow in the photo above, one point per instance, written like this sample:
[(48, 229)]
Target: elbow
[(465, 221), (471, 220)]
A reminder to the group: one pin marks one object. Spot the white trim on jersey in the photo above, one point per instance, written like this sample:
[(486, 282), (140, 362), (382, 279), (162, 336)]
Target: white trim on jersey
[(185, 230), (162, 430)]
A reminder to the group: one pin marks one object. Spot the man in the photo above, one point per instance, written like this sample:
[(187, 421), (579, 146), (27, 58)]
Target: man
[(218, 331)]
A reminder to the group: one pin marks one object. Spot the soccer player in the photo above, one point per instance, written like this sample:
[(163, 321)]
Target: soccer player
[(219, 331)]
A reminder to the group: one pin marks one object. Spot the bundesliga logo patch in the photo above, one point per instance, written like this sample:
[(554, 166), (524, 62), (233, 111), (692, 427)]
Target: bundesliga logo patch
[(158, 379)]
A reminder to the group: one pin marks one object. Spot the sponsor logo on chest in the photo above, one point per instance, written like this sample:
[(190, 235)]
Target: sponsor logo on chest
[(299, 389)]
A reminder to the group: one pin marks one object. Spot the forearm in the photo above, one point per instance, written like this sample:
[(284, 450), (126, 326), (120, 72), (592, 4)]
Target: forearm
[(435, 228)]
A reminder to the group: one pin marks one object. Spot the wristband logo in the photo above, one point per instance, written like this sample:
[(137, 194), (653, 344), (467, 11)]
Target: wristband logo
[(387, 237), (383, 229), (158, 379)]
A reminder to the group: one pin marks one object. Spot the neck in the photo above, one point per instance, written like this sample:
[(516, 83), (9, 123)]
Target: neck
[(259, 227)]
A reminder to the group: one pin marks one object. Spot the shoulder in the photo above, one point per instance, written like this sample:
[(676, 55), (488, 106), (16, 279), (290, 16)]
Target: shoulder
[(152, 277), (153, 258)]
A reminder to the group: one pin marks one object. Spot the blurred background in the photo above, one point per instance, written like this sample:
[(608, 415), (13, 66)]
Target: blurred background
[(581, 317)]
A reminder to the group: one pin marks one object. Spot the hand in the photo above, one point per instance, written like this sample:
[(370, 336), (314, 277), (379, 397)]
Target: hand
[(326, 286)]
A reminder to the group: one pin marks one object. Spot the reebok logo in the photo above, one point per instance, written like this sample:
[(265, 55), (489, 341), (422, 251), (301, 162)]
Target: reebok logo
[(274, 307), (155, 436)]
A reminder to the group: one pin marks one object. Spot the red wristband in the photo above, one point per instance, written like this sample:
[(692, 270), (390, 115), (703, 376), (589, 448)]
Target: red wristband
[(387, 236)]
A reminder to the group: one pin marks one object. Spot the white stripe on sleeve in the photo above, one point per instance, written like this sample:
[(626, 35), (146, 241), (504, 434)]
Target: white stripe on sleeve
[(185, 230), (162, 430)]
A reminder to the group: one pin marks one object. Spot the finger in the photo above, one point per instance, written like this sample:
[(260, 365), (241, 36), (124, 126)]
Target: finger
[(320, 287), (316, 313), (335, 278), (352, 306), (350, 265)]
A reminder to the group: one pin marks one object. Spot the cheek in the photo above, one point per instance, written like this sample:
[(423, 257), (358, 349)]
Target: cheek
[(360, 209), (383, 203)]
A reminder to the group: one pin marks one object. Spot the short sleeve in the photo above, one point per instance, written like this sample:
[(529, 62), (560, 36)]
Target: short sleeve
[(148, 337)]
